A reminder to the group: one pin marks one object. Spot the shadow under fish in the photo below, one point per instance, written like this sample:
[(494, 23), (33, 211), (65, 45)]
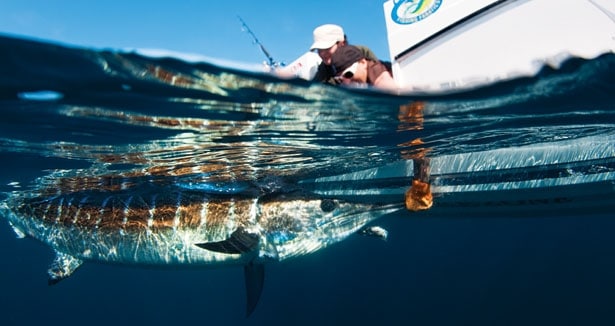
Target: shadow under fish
[(187, 227)]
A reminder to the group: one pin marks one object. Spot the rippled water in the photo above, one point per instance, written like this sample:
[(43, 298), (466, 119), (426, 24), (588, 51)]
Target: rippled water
[(77, 119)]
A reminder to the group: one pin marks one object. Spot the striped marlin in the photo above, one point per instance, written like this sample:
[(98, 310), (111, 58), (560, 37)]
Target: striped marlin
[(184, 227)]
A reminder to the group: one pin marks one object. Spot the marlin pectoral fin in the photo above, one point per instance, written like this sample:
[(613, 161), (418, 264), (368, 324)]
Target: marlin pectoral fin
[(255, 277), (375, 231), (239, 242), (62, 267)]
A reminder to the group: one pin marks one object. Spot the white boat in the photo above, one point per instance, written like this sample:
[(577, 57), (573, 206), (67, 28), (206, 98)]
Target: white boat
[(444, 45)]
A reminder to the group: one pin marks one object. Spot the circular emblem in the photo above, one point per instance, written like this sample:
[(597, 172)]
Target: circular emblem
[(411, 11)]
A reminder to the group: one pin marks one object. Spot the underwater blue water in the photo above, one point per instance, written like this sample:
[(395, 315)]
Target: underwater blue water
[(81, 118)]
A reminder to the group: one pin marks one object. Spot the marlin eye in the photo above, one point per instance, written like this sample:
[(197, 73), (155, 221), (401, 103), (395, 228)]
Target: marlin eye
[(327, 205)]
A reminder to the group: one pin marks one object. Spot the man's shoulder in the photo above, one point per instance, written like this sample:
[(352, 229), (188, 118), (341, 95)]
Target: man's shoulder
[(367, 52)]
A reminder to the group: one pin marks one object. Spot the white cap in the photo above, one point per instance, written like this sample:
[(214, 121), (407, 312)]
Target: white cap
[(325, 36)]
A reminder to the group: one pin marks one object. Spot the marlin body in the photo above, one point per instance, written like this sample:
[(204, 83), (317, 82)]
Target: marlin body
[(179, 227)]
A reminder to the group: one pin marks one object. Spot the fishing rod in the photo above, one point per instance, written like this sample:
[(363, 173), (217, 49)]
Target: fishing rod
[(272, 62)]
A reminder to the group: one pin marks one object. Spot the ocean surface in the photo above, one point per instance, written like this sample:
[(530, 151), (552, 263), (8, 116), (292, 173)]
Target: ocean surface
[(523, 174)]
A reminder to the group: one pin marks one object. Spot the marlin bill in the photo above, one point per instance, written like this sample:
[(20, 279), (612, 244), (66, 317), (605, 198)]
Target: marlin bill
[(171, 226)]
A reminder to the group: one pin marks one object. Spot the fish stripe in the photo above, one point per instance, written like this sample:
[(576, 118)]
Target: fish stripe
[(126, 210), (164, 213), (137, 214), (111, 214), (242, 211), (134, 213), (59, 211), (203, 214), (151, 211), (190, 216), (178, 205)]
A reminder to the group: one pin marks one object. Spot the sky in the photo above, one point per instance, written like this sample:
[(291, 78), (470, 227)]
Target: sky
[(205, 28)]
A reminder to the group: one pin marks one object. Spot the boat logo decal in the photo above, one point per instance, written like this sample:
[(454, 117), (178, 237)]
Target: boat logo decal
[(411, 11)]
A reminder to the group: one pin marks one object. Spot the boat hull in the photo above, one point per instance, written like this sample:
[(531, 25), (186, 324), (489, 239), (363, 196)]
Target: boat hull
[(465, 44)]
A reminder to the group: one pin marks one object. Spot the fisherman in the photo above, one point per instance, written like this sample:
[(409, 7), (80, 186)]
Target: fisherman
[(316, 64), (347, 64), (352, 66)]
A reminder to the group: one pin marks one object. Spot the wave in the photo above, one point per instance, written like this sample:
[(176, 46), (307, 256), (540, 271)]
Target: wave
[(128, 116)]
